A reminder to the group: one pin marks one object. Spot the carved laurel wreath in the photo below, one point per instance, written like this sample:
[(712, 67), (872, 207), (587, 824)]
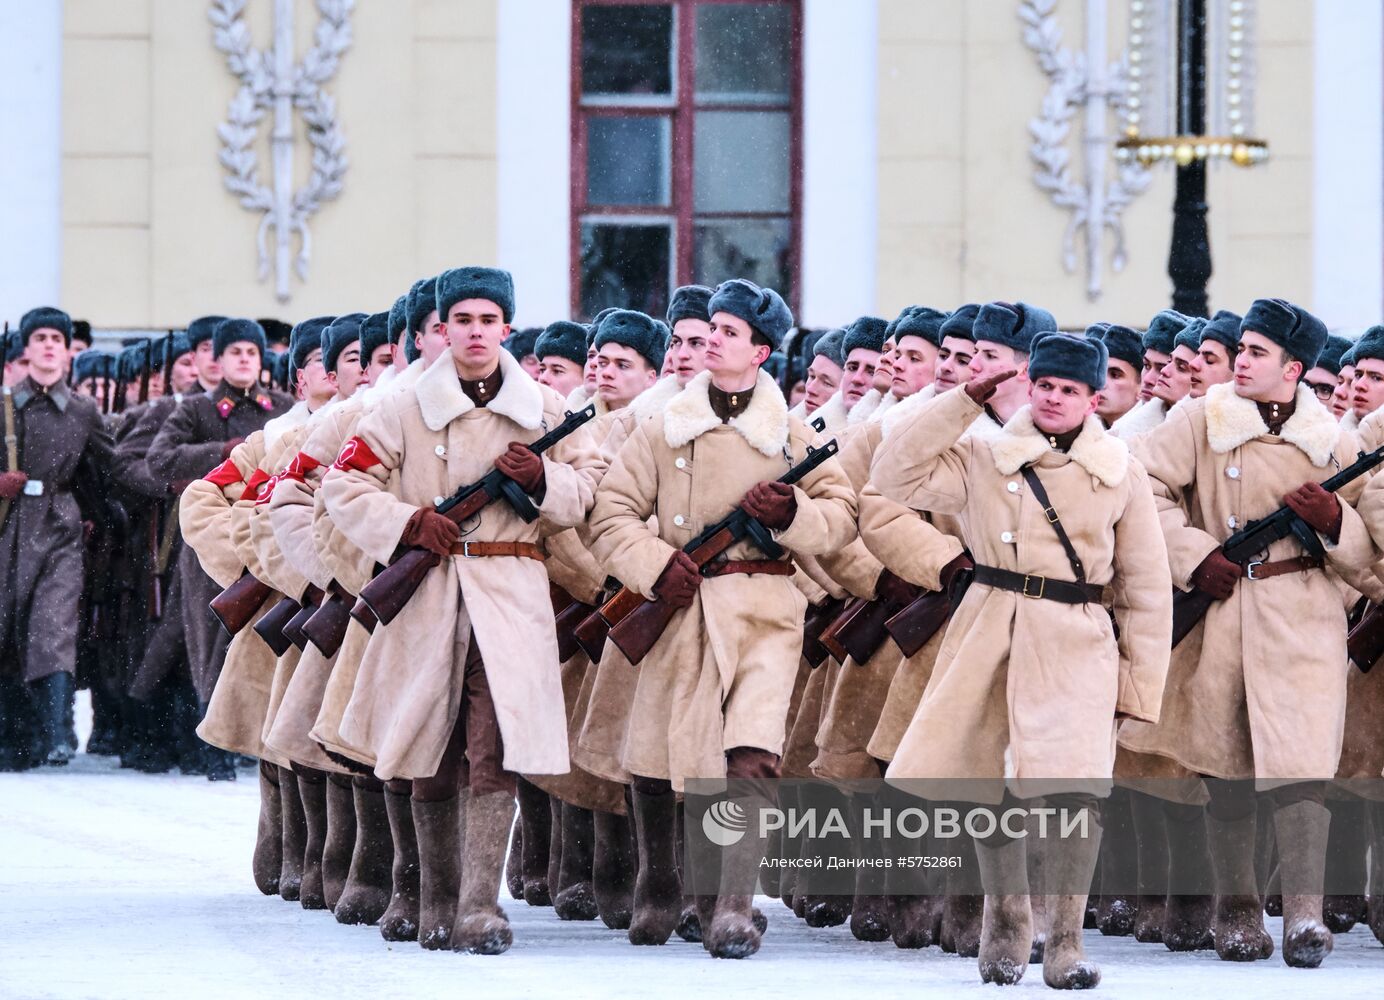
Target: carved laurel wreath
[(1068, 91), (258, 90)]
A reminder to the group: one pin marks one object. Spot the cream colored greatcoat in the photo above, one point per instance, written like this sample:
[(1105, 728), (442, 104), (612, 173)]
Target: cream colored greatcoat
[(722, 674), (1027, 689), (1258, 689), (408, 691)]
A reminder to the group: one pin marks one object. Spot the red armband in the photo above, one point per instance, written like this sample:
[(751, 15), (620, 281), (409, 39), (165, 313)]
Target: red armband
[(301, 465), (356, 454), (225, 474), (255, 484)]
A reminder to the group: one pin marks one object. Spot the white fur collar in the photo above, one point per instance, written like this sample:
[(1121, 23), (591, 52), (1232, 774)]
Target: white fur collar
[(1140, 420), (865, 407), (652, 400), (441, 400), (764, 424), (577, 398), (887, 403), (1350, 422), (799, 410), (296, 416), (909, 404), (1020, 443), (833, 415), (1232, 420)]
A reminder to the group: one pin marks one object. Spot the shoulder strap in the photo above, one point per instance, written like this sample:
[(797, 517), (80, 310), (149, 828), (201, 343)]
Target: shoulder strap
[(1036, 485)]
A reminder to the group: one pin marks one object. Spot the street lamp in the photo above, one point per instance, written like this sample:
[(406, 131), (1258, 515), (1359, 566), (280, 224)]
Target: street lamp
[(1166, 115)]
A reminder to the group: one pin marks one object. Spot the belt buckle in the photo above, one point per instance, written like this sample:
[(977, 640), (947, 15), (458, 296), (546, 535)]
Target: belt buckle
[(1042, 582), (1250, 567), (466, 551)]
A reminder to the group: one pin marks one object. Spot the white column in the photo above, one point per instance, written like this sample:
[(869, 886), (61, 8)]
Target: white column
[(1348, 163), (840, 59), (30, 155), (535, 149)]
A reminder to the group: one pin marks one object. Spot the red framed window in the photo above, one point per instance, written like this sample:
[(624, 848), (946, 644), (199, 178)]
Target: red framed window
[(686, 148)]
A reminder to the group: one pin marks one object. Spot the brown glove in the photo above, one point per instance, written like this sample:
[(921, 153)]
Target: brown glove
[(1216, 576), (960, 564), (773, 505), (523, 466), (229, 447), (1318, 507), (678, 582), (893, 589), (11, 483), (980, 390), (428, 529)]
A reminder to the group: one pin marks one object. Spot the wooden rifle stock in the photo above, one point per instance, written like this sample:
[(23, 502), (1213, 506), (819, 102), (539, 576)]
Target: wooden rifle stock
[(271, 625), (914, 626), (568, 614), (590, 634), (862, 633), (1365, 642), (326, 629), (814, 624), (294, 629), (848, 610), (237, 604), (1189, 607)]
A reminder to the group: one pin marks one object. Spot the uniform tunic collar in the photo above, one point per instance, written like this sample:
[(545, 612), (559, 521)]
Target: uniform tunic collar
[(483, 390), (29, 389), (728, 405)]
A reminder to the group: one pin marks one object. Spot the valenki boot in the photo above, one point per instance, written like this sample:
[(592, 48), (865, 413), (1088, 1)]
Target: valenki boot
[(1070, 863), (1117, 910), (1302, 829), (733, 931), (1189, 912), (613, 869), (534, 833), (554, 846), (514, 862), (481, 927), (366, 893), (1239, 923), (1344, 905), (341, 838), (400, 919), (576, 897), (1376, 912), (439, 866), (870, 905), (295, 835), (312, 787), (1006, 936), (1151, 850), (657, 888), (963, 908), (267, 861)]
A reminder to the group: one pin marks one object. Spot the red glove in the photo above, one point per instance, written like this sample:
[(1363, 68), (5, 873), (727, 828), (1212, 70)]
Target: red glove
[(229, 447), (981, 390), (1216, 576), (890, 588), (523, 466), (428, 529), (773, 505), (11, 484), (678, 582), (1318, 507)]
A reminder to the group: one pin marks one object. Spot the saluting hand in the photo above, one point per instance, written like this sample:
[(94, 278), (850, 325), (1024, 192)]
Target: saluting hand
[(1216, 576), (11, 483), (427, 529), (677, 584), (980, 390), (523, 466), (772, 504), (1318, 507)]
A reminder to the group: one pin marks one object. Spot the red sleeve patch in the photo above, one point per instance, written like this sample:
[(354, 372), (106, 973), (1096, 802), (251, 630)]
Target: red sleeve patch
[(225, 474), (301, 465), (356, 454), (255, 484)]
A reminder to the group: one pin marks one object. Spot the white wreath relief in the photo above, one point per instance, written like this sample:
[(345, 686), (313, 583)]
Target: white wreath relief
[(285, 211), (1069, 91)]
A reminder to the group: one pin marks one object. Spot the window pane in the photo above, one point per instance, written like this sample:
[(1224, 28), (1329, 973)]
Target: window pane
[(627, 50), (627, 160), (757, 249), (740, 161), (625, 264), (744, 52)]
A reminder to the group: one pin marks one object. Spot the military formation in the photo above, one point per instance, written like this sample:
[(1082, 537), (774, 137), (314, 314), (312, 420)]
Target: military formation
[(479, 603)]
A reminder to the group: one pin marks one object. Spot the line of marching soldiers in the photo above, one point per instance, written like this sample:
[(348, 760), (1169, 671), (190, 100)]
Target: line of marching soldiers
[(453, 585)]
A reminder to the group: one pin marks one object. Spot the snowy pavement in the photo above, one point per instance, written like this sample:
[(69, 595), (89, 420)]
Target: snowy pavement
[(121, 885)]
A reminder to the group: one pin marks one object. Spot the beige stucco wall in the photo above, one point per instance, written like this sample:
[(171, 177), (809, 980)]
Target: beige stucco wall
[(961, 220), (150, 235)]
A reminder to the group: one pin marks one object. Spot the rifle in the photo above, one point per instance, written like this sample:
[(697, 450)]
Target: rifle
[(1251, 542), (1365, 641), (271, 625), (818, 617), (293, 631), (861, 630), (386, 595), (237, 604), (568, 614), (638, 629), (326, 629), (919, 621)]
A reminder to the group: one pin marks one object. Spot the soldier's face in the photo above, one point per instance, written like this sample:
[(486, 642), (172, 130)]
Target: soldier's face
[(16, 371), (954, 362), (914, 366), (1121, 391), (46, 352), (1211, 366), (1061, 404), (208, 368), (1263, 370), (1345, 383), (529, 362), (431, 338), (475, 331), (588, 373), (860, 375), (184, 372), (559, 374), (1367, 393), (1323, 385), (240, 364), (1175, 380), (313, 381), (1153, 367), (730, 348), (884, 368), (381, 358), (621, 374), (687, 349), (992, 358), (348, 374), (823, 379), (796, 394)]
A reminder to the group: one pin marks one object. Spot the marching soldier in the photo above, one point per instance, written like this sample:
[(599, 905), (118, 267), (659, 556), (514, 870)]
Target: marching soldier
[(1215, 356), (822, 398), (1325, 376), (1126, 351), (1158, 342)]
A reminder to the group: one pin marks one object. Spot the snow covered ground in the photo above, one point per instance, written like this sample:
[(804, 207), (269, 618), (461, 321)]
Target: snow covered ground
[(120, 885)]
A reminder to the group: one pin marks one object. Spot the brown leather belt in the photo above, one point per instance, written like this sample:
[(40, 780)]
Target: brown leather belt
[(1264, 570), (767, 567), (481, 550), (1038, 587)]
